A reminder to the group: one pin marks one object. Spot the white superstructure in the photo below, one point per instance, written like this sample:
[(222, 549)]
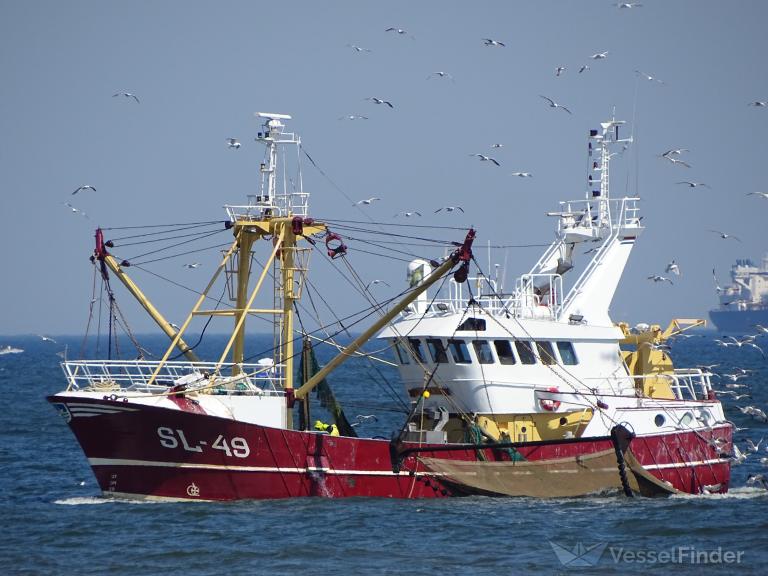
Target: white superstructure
[(549, 346)]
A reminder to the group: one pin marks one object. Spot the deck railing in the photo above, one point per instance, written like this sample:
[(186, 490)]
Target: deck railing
[(135, 376), (685, 383)]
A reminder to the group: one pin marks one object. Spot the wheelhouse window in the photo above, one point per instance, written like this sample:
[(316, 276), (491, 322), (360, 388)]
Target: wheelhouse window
[(437, 350), (459, 351), (415, 344), (567, 353), (546, 353), (504, 351), (525, 351), (472, 325), (483, 351), (402, 355)]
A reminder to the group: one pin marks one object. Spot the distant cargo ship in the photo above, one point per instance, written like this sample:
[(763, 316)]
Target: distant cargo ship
[(744, 303)]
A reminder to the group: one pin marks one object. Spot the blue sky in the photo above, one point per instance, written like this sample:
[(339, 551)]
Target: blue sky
[(201, 69)]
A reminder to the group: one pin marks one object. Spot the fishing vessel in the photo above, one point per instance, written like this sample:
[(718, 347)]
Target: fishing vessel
[(744, 303), (528, 392)]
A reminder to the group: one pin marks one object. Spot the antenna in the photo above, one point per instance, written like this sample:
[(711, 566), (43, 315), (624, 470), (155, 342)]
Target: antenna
[(274, 197)]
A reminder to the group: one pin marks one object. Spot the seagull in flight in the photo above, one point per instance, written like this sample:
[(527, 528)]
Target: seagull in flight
[(649, 77), (694, 184), (746, 341), (600, 55), (441, 74), (553, 104), (677, 161), (522, 174), (707, 367), (492, 42), (673, 152), (373, 282), (192, 265), (86, 187), (484, 158), (127, 95), (725, 236), (559, 70), (398, 30), (76, 210), (733, 377), (379, 101), (354, 117), (367, 201), (584, 68), (752, 447), (363, 418), (450, 209), (233, 143), (753, 479), (673, 268), (622, 5), (657, 278), (47, 339), (358, 48), (761, 194), (407, 214), (759, 103)]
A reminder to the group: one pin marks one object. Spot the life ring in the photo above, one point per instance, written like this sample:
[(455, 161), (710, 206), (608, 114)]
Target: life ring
[(550, 405)]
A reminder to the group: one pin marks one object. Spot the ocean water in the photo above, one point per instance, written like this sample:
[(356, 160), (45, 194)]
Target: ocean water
[(56, 522)]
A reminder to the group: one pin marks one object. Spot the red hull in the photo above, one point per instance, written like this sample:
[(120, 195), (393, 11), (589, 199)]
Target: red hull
[(145, 451)]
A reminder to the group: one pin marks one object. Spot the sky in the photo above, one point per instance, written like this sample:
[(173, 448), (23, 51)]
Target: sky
[(202, 69)]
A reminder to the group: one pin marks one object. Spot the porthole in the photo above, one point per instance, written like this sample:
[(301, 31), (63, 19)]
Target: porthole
[(659, 420), (686, 419)]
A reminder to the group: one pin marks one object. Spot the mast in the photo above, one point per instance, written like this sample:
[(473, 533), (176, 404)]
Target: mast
[(278, 214), (614, 224)]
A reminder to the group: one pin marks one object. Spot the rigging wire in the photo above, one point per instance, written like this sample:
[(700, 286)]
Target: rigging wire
[(178, 228), (202, 332), (336, 186), (160, 225), (337, 222), (200, 237), (123, 245), (90, 312), (173, 282), (451, 243), (393, 235), (375, 244), (196, 251), (382, 255)]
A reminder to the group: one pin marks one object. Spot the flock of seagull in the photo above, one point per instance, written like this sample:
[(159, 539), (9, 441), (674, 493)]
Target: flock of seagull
[(736, 386)]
